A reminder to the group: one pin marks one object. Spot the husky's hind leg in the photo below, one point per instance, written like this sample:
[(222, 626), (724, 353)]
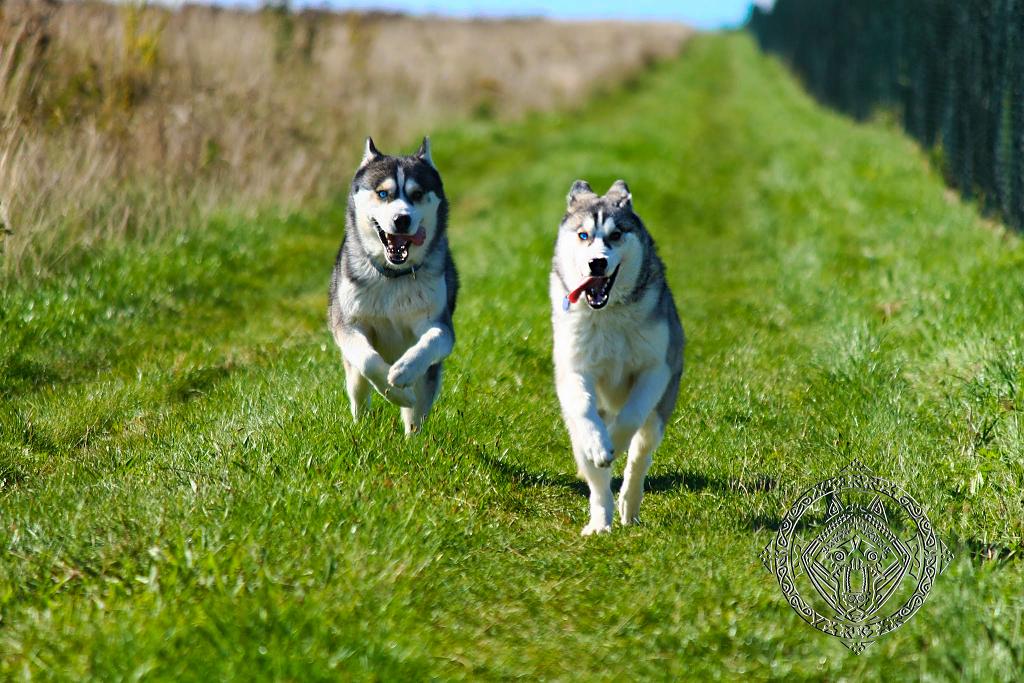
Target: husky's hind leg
[(358, 391), (427, 390), (641, 450)]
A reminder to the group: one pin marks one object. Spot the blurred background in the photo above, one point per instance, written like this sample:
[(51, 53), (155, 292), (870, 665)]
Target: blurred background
[(121, 121), (126, 121), (701, 14)]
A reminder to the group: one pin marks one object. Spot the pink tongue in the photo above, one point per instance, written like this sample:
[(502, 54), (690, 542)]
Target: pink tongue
[(574, 295), (418, 239)]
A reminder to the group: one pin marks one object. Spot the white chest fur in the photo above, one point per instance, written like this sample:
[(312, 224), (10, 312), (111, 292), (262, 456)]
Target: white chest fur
[(407, 297), (610, 345), (390, 310)]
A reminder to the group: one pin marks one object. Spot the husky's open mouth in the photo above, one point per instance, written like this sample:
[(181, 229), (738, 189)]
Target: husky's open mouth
[(396, 247), (597, 290)]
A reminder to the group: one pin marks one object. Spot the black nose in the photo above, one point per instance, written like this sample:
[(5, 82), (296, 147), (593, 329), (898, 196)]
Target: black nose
[(598, 266), (402, 222)]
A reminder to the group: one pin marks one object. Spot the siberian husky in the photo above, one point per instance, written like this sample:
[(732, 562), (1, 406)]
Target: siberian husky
[(618, 345), (394, 284)]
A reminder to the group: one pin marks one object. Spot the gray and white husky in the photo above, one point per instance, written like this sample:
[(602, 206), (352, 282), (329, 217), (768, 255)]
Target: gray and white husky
[(394, 284), (618, 345)]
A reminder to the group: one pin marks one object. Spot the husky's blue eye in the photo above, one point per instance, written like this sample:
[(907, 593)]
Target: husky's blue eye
[(383, 194), (584, 236)]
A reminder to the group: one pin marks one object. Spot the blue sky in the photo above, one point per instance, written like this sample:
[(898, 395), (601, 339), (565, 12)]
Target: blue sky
[(699, 13)]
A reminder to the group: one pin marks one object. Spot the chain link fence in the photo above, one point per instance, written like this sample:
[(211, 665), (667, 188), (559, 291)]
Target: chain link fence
[(952, 69)]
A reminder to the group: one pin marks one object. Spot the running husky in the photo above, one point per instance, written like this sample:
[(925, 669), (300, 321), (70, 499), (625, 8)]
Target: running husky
[(394, 284), (618, 355)]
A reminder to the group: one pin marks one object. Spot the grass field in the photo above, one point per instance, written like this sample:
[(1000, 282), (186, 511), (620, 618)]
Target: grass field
[(185, 497)]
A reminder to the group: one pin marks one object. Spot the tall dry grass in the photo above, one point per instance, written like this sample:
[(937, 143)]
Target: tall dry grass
[(128, 121)]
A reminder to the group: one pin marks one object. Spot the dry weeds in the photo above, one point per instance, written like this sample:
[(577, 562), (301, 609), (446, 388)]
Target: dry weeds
[(126, 121)]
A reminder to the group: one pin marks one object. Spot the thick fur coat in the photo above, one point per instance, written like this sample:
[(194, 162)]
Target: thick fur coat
[(394, 285), (618, 345)]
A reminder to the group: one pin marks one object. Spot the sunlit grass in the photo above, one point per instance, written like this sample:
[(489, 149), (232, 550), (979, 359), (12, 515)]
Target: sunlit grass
[(185, 496)]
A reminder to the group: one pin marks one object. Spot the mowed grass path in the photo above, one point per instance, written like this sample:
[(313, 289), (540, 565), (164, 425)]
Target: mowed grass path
[(184, 495)]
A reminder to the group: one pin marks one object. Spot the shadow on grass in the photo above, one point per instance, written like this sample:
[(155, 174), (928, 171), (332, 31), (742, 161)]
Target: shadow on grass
[(764, 522), (657, 483), (20, 376)]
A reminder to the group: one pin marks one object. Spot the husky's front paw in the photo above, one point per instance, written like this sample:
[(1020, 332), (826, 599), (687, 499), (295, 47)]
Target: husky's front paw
[(404, 372), (378, 376), (397, 395), (403, 397), (597, 450), (596, 527), (621, 434)]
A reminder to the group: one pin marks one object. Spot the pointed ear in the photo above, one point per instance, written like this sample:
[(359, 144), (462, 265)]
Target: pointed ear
[(369, 152), (424, 151), (579, 191), (619, 193)]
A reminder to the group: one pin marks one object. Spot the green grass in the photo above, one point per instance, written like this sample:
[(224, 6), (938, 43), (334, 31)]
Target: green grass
[(184, 496)]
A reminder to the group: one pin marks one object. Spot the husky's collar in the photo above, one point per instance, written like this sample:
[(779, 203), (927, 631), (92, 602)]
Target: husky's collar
[(391, 273)]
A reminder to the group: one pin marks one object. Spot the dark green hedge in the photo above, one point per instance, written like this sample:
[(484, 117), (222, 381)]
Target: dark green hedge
[(953, 69)]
